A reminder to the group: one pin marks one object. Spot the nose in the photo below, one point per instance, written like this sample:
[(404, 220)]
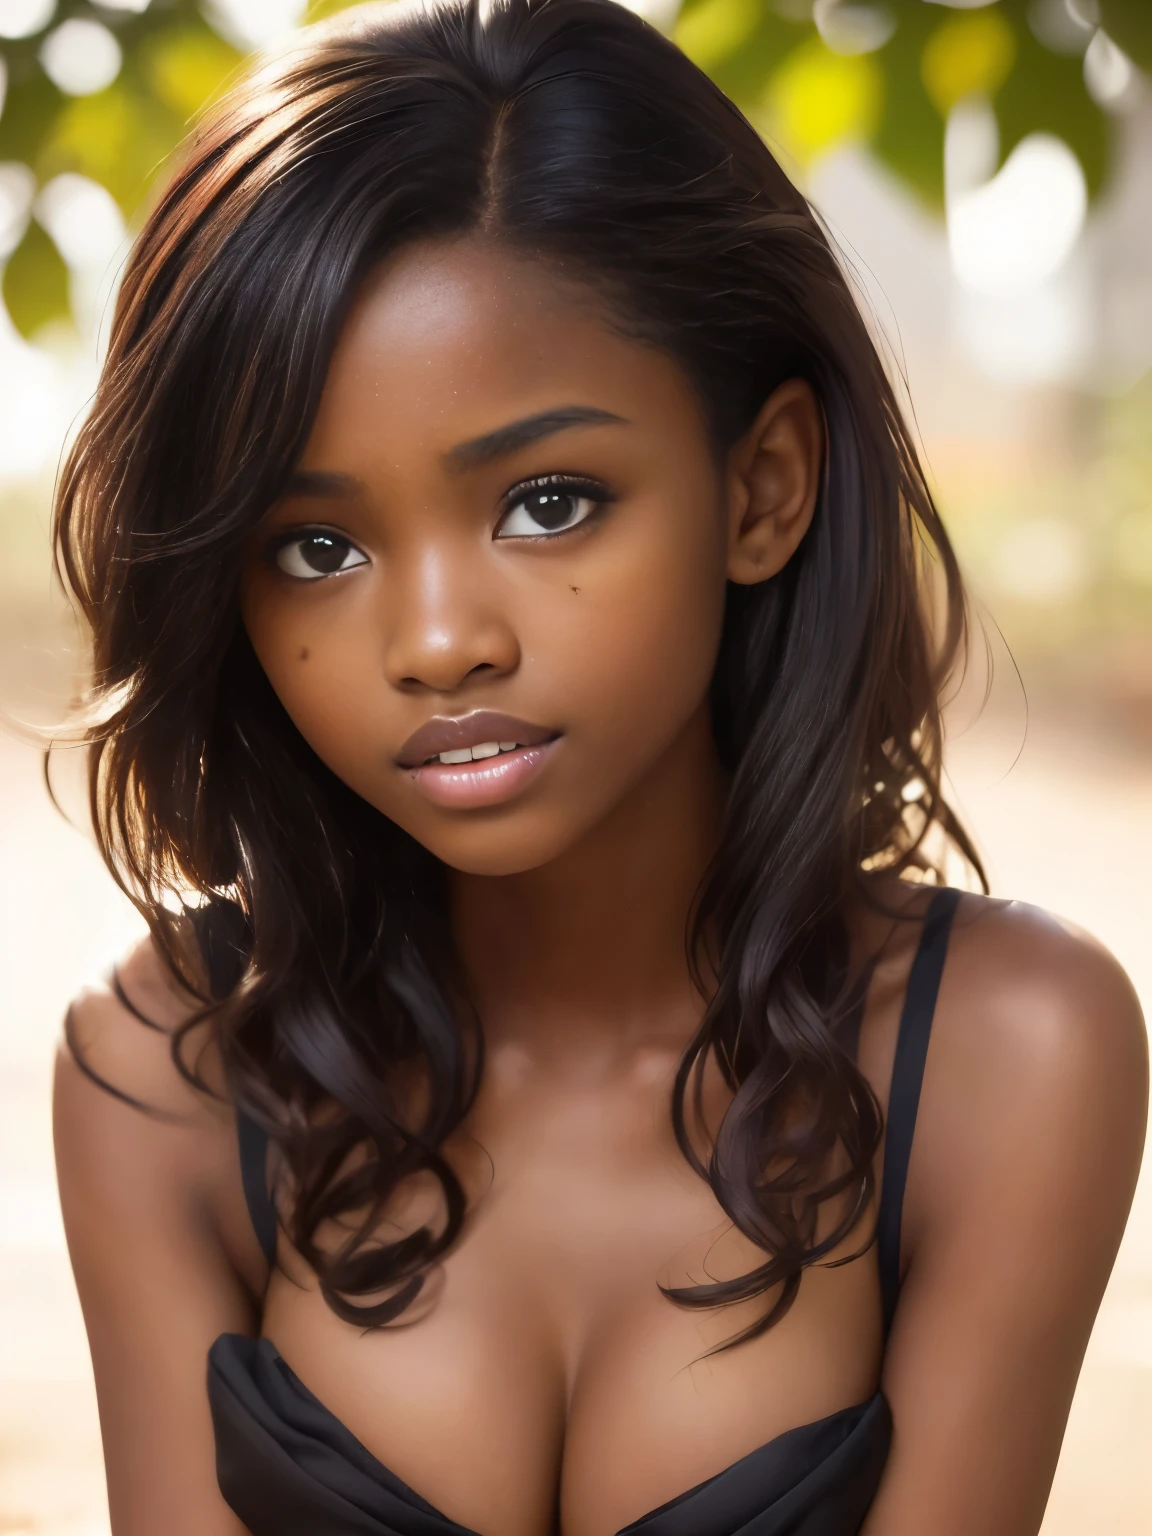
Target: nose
[(445, 621)]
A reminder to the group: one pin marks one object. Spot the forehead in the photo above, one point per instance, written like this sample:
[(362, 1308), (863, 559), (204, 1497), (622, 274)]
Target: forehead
[(447, 340)]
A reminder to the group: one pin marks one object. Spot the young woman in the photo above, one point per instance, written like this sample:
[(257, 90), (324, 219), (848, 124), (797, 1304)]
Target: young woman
[(519, 619)]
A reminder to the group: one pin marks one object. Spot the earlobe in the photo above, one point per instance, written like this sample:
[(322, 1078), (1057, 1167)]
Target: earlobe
[(773, 483)]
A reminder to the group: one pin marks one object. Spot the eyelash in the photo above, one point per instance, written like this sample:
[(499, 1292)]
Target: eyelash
[(575, 485), (300, 536)]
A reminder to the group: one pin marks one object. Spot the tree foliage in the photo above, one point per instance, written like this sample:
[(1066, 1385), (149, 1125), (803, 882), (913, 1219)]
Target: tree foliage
[(806, 86)]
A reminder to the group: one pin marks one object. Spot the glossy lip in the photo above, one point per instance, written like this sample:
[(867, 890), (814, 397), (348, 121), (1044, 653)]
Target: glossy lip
[(444, 734), (487, 782)]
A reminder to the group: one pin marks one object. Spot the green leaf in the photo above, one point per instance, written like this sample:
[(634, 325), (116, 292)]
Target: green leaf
[(35, 285), (32, 105), (1129, 24), (119, 137), (186, 67), (910, 136), (712, 30), (743, 73)]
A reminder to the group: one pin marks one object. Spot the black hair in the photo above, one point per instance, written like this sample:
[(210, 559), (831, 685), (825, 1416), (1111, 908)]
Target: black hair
[(571, 132)]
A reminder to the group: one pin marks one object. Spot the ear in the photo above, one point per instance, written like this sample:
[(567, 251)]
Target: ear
[(773, 482)]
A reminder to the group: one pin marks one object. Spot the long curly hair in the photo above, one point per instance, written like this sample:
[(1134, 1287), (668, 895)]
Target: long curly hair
[(567, 130)]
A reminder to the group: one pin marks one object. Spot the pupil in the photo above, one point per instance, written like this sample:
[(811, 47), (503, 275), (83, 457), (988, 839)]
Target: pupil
[(551, 509), (324, 553)]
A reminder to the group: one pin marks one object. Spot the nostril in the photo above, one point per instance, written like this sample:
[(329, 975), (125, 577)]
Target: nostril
[(432, 659)]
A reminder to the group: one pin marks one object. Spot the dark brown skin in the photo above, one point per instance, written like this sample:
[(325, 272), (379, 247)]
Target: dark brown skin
[(546, 1369)]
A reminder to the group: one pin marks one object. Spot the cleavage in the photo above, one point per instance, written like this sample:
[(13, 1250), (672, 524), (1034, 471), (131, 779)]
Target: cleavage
[(545, 1369)]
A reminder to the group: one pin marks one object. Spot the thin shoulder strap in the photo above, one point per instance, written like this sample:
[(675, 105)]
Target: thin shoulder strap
[(222, 934), (253, 1141), (904, 1094), (221, 931)]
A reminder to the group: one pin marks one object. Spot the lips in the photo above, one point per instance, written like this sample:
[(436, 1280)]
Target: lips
[(441, 734)]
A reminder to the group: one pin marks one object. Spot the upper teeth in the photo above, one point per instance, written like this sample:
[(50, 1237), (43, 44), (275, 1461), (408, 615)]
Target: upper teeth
[(485, 749)]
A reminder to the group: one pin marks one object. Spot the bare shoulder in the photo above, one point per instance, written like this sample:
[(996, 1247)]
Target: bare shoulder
[(143, 1121), (1036, 1082), (1032, 1005), (119, 1035), (1024, 992), (163, 1255), (1027, 1146), (1036, 1087)]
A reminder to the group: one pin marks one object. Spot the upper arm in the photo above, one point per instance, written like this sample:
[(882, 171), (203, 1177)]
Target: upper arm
[(1027, 1148), (140, 1197)]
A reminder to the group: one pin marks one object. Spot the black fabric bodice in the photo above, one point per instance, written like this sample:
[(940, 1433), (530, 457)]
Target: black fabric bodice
[(288, 1467)]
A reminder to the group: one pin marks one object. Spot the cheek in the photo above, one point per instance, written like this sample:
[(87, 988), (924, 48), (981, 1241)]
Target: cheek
[(637, 644), (319, 661)]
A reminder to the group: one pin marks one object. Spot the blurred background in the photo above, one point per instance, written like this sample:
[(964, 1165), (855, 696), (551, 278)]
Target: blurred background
[(986, 169)]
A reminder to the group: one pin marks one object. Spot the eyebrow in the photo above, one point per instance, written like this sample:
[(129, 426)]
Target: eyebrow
[(327, 483), (530, 429)]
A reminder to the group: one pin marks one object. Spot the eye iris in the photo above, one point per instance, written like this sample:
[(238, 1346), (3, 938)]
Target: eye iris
[(551, 509), (323, 552)]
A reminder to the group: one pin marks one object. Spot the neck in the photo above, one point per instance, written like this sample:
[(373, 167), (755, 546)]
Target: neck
[(588, 951)]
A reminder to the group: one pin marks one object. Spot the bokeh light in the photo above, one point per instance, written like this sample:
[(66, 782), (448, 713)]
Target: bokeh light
[(1063, 25), (83, 220), (255, 23), (24, 18), (81, 57), (17, 189), (1019, 227), (853, 28), (1108, 72)]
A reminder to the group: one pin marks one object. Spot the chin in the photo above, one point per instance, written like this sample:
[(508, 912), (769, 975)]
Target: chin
[(495, 850)]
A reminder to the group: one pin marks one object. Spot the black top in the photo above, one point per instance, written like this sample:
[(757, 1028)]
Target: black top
[(288, 1467)]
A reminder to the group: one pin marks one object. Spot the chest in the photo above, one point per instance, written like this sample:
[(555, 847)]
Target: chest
[(544, 1376)]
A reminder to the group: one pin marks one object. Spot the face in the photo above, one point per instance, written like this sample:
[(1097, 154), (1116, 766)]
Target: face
[(491, 599)]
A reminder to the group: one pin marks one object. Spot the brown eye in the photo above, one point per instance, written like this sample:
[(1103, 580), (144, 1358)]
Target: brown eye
[(317, 553), (548, 508)]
